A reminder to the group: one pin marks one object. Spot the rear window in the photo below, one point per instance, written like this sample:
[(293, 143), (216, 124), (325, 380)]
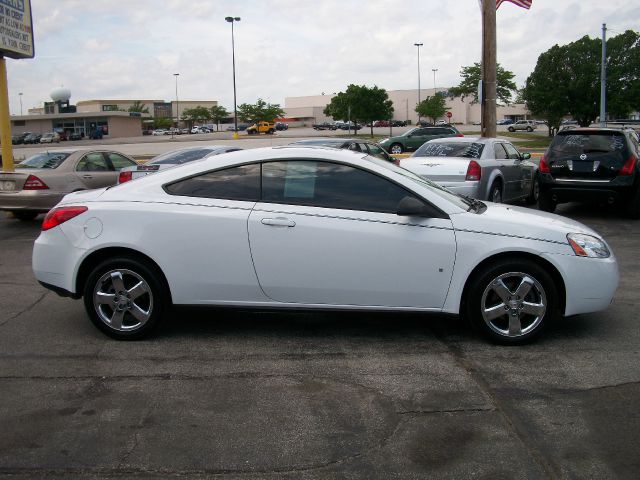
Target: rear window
[(441, 149), (577, 143), (44, 160), (182, 156)]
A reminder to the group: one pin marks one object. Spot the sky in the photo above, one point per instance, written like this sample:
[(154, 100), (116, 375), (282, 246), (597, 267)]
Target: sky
[(130, 49)]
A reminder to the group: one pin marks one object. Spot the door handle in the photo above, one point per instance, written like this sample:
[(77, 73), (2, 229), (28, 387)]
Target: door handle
[(87, 176), (278, 222)]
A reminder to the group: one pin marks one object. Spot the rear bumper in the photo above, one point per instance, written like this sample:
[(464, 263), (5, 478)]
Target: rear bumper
[(566, 190), (30, 200)]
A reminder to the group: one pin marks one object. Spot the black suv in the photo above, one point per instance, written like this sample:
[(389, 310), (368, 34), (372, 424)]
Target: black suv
[(591, 164)]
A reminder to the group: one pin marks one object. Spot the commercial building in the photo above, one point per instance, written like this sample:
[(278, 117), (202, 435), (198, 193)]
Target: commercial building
[(309, 109), (109, 117)]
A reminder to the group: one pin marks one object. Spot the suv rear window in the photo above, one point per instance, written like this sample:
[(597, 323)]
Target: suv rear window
[(576, 143)]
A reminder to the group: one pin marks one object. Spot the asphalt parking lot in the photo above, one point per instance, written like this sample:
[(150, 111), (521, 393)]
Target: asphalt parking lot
[(245, 394)]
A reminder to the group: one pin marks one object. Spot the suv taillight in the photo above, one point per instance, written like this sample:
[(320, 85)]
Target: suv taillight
[(474, 172), (34, 183), (544, 166), (629, 166), (57, 216), (125, 176)]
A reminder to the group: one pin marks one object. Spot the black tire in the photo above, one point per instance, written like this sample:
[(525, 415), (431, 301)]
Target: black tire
[(529, 129), (546, 203), (633, 207), (495, 192), (143, 300), (25, 216), (270, 132), (535, 191), (396, 148), (511, 301), (511, 129)]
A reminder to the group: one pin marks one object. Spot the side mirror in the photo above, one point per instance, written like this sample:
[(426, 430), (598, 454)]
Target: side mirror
[(525, 156), (410, 206)]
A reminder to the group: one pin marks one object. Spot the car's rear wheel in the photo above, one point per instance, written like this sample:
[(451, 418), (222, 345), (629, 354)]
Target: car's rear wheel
[(511, 129), (546, 203), (25, 216), (529, 129), (396, 148), (511, 301), (495, 193), (125, 297), (270, 132)]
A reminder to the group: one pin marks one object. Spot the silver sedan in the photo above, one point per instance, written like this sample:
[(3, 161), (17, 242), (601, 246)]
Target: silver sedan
[(483, 168)]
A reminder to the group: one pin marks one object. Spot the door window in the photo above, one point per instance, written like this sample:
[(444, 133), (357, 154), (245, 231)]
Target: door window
[(119, 162), (377, 151), (329, 185), (236, 183), (93, 162), (511, 151), (501, 154)]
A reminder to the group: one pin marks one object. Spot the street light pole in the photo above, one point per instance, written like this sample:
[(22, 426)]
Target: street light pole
[(435, 90), (177, 106), (418, 45), (20, 95), (232, 20)]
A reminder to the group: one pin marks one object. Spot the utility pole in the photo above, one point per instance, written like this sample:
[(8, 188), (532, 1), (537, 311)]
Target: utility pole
[(603, 78), (418, 45), (489, 68)]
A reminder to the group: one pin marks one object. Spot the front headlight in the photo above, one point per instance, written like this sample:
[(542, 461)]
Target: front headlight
[(383, 141), (588, 246)]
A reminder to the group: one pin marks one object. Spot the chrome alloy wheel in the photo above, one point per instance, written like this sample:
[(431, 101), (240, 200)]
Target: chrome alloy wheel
[(513, 304), (123, 300)]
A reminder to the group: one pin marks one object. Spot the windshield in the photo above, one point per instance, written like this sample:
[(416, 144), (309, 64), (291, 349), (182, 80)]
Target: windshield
[(408, 132), (423, 182), (450, 149), (44, 160), (181, 156)]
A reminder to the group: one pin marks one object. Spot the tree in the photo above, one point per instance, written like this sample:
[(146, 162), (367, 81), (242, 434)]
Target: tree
[(432, 107), (196, 115), (138, 107), (260, 111), (162, 122), (218, 113), (566, 80), (360, 104), (471, 76)]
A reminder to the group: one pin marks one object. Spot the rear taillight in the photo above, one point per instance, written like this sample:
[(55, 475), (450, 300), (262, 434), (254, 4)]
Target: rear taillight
[(474, 172), (34, 183), (459, 135), (629, 167), (60, 215), (544, 166), (125, 176)]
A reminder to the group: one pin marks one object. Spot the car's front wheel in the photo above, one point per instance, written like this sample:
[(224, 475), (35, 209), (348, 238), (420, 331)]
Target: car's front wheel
[(125, 297), (511, 129), (511, 301), (396, 148), (529, 129)]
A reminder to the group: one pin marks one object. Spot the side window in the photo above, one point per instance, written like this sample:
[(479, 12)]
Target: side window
[(119, 162), (511, 151), (377, 151), (93, 162), (328, 185), (501, 154), (236, 183), (355, 147)]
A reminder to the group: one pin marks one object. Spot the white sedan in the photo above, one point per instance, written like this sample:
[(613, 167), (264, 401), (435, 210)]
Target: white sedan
[(295, 227)]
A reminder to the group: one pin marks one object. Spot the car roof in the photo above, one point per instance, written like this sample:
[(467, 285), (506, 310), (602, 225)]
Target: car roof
[(573, 131), (466, 140)]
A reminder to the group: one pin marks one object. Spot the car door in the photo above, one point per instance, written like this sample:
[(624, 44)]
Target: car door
[(326, 234), (94, 171), (523, 172), (417, 138)]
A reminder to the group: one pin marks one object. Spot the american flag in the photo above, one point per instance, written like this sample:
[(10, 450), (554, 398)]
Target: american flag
[(521, 3)]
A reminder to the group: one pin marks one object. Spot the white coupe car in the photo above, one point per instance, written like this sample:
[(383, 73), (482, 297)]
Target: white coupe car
[(296, 227)]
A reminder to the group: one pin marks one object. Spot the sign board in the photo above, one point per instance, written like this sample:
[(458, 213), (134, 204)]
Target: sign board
[(16, 32), (449, 114)]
